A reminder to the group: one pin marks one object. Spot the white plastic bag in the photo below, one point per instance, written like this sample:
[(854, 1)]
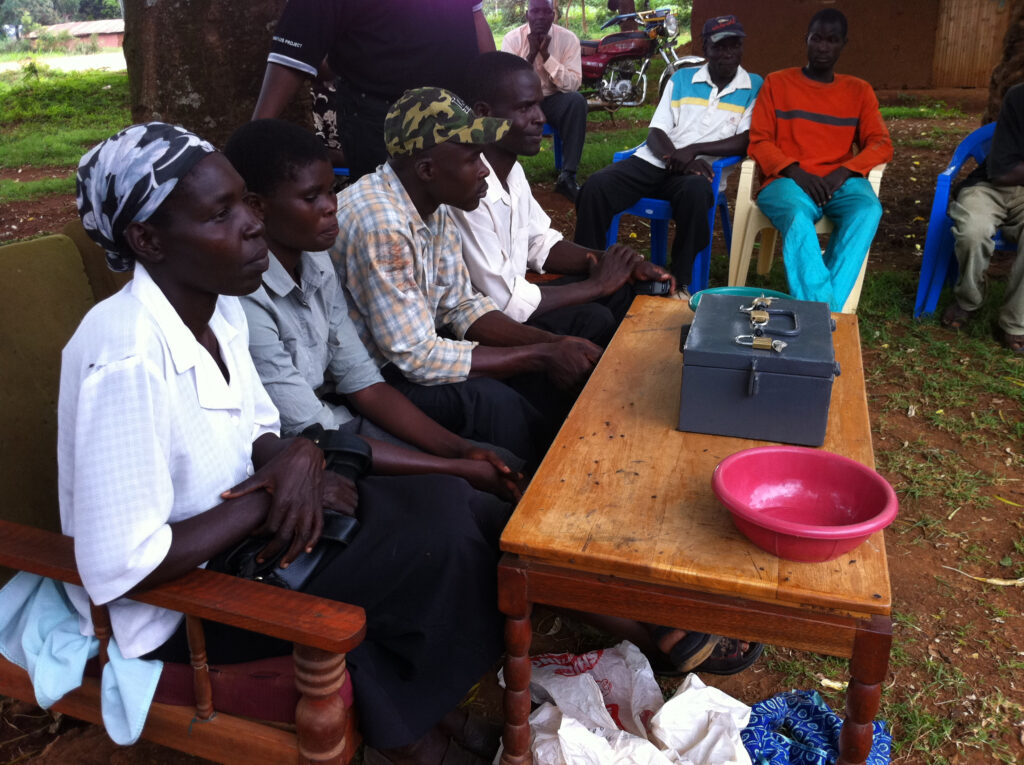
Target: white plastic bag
[(609, 690), (701, 726), (605, 708), (561, 740)]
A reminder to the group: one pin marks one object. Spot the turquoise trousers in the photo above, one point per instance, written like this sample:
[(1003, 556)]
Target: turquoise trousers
[(855, 211)]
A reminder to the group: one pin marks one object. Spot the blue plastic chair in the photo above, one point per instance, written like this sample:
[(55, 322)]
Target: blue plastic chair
[(556, 144), (939, 266), (659, 211)]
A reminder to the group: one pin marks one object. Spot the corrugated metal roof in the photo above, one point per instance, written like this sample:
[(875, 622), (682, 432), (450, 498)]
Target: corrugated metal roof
[(83, 28)]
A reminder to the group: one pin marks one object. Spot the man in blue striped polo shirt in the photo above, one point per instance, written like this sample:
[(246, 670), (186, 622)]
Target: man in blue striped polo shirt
[(704, 112)]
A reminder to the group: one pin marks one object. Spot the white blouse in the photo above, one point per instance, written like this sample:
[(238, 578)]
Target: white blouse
[(149, 433)]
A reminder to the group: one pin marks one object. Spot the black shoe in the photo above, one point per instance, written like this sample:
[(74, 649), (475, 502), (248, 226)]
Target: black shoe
[(567, 186)]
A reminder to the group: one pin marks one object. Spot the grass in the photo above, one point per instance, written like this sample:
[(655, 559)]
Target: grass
[(935, 110), (37, 55), (919, 471), (598, 152), (17, 191), (50, 118)]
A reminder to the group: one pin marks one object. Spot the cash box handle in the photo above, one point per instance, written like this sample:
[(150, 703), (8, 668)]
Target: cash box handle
[(760, 313)]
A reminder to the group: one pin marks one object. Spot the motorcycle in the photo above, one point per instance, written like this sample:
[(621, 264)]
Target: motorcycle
[(615, 67)]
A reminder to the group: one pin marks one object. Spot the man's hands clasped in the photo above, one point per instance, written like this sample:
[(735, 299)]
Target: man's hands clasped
[(486, 471), (819, 188), (684, 161), (538, 45)]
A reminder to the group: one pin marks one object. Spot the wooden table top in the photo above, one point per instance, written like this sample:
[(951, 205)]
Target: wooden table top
[(622, 492)]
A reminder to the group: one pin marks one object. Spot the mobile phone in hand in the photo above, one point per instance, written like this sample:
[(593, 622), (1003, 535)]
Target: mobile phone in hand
[(651, 287)]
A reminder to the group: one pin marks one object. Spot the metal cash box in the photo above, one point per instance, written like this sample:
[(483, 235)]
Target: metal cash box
[(759, 368)]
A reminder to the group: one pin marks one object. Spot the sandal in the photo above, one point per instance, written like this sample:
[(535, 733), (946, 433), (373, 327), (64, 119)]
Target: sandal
[(686, 654), (728, 659), (1014, 342), (955, 317)]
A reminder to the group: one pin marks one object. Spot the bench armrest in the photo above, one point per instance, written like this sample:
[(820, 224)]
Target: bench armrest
[(293, 616)]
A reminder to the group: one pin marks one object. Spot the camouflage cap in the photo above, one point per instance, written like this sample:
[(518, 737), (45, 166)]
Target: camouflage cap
[(426, 117)]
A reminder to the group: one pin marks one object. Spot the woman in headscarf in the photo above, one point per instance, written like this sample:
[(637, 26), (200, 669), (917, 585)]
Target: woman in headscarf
[(169, 456)]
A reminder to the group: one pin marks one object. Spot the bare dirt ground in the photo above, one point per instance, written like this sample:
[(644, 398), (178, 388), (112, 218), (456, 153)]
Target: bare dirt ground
[(955, 693)]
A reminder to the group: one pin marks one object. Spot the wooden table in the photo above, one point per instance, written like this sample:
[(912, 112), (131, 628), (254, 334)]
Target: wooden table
[(620, 519)]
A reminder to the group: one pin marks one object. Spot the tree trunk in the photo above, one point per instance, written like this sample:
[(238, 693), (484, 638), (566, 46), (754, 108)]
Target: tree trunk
[(1010, 70), (200, 63), (627, 6)]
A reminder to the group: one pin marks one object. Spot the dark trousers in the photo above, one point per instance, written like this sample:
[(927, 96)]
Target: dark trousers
[(567, 113), (595, 321), (424, 566), (612, 189), (489, 410), (361, 129)]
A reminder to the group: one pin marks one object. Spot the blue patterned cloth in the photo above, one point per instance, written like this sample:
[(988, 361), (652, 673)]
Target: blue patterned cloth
[(798, 728)]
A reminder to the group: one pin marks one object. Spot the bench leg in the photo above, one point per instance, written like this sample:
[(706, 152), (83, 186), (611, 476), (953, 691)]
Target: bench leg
[(868, 667), (512, 600), (320, 715)]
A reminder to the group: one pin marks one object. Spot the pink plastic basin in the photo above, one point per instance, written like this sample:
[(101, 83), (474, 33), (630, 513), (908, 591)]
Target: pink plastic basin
[(803, 504)]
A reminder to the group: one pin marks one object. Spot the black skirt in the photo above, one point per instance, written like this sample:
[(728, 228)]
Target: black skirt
[(424, 567)]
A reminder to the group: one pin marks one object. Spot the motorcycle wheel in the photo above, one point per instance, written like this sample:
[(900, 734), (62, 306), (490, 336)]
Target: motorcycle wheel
[(679, 63), (663, 81)]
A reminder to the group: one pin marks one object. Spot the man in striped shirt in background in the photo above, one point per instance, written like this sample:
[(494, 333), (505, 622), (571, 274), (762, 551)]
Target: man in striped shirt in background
[(704, 112)]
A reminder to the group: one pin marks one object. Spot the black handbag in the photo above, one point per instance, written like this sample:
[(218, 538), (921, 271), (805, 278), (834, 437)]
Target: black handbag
[(345, 454)]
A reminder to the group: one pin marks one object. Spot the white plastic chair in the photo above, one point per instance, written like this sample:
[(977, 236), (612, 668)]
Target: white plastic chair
[(748, 221)]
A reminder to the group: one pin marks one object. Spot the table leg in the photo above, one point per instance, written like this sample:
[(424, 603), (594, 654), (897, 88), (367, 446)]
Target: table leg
[(512, 600), (868, 667)]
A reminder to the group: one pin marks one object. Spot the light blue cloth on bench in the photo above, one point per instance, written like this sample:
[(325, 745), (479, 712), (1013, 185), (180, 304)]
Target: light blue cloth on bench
[(39, 632)]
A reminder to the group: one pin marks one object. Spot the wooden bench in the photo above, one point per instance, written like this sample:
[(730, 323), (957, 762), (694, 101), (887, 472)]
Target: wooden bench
[(44, 292)]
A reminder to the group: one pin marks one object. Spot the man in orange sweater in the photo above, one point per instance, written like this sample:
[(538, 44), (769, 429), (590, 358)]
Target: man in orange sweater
[(815, 134)]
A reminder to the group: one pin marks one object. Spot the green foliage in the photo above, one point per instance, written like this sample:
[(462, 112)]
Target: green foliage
[(37, 12), (47, 42), (16, 47), (29, 14), (51, 118), (98, 9)]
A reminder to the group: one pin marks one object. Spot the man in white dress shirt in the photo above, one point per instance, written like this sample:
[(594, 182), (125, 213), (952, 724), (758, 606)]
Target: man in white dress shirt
[(554, 53), (509, 233)]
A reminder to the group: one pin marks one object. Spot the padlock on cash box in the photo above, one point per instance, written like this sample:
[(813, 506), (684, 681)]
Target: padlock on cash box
[(755, 370)]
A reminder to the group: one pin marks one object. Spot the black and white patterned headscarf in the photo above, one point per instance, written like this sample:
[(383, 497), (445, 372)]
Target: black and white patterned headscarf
[(128, 176)]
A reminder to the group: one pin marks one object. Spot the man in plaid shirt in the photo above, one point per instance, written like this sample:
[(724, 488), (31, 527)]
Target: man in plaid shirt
[(399, 257)]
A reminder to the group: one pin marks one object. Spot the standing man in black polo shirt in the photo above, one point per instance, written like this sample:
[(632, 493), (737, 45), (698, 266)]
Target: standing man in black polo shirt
[(379, 49)]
